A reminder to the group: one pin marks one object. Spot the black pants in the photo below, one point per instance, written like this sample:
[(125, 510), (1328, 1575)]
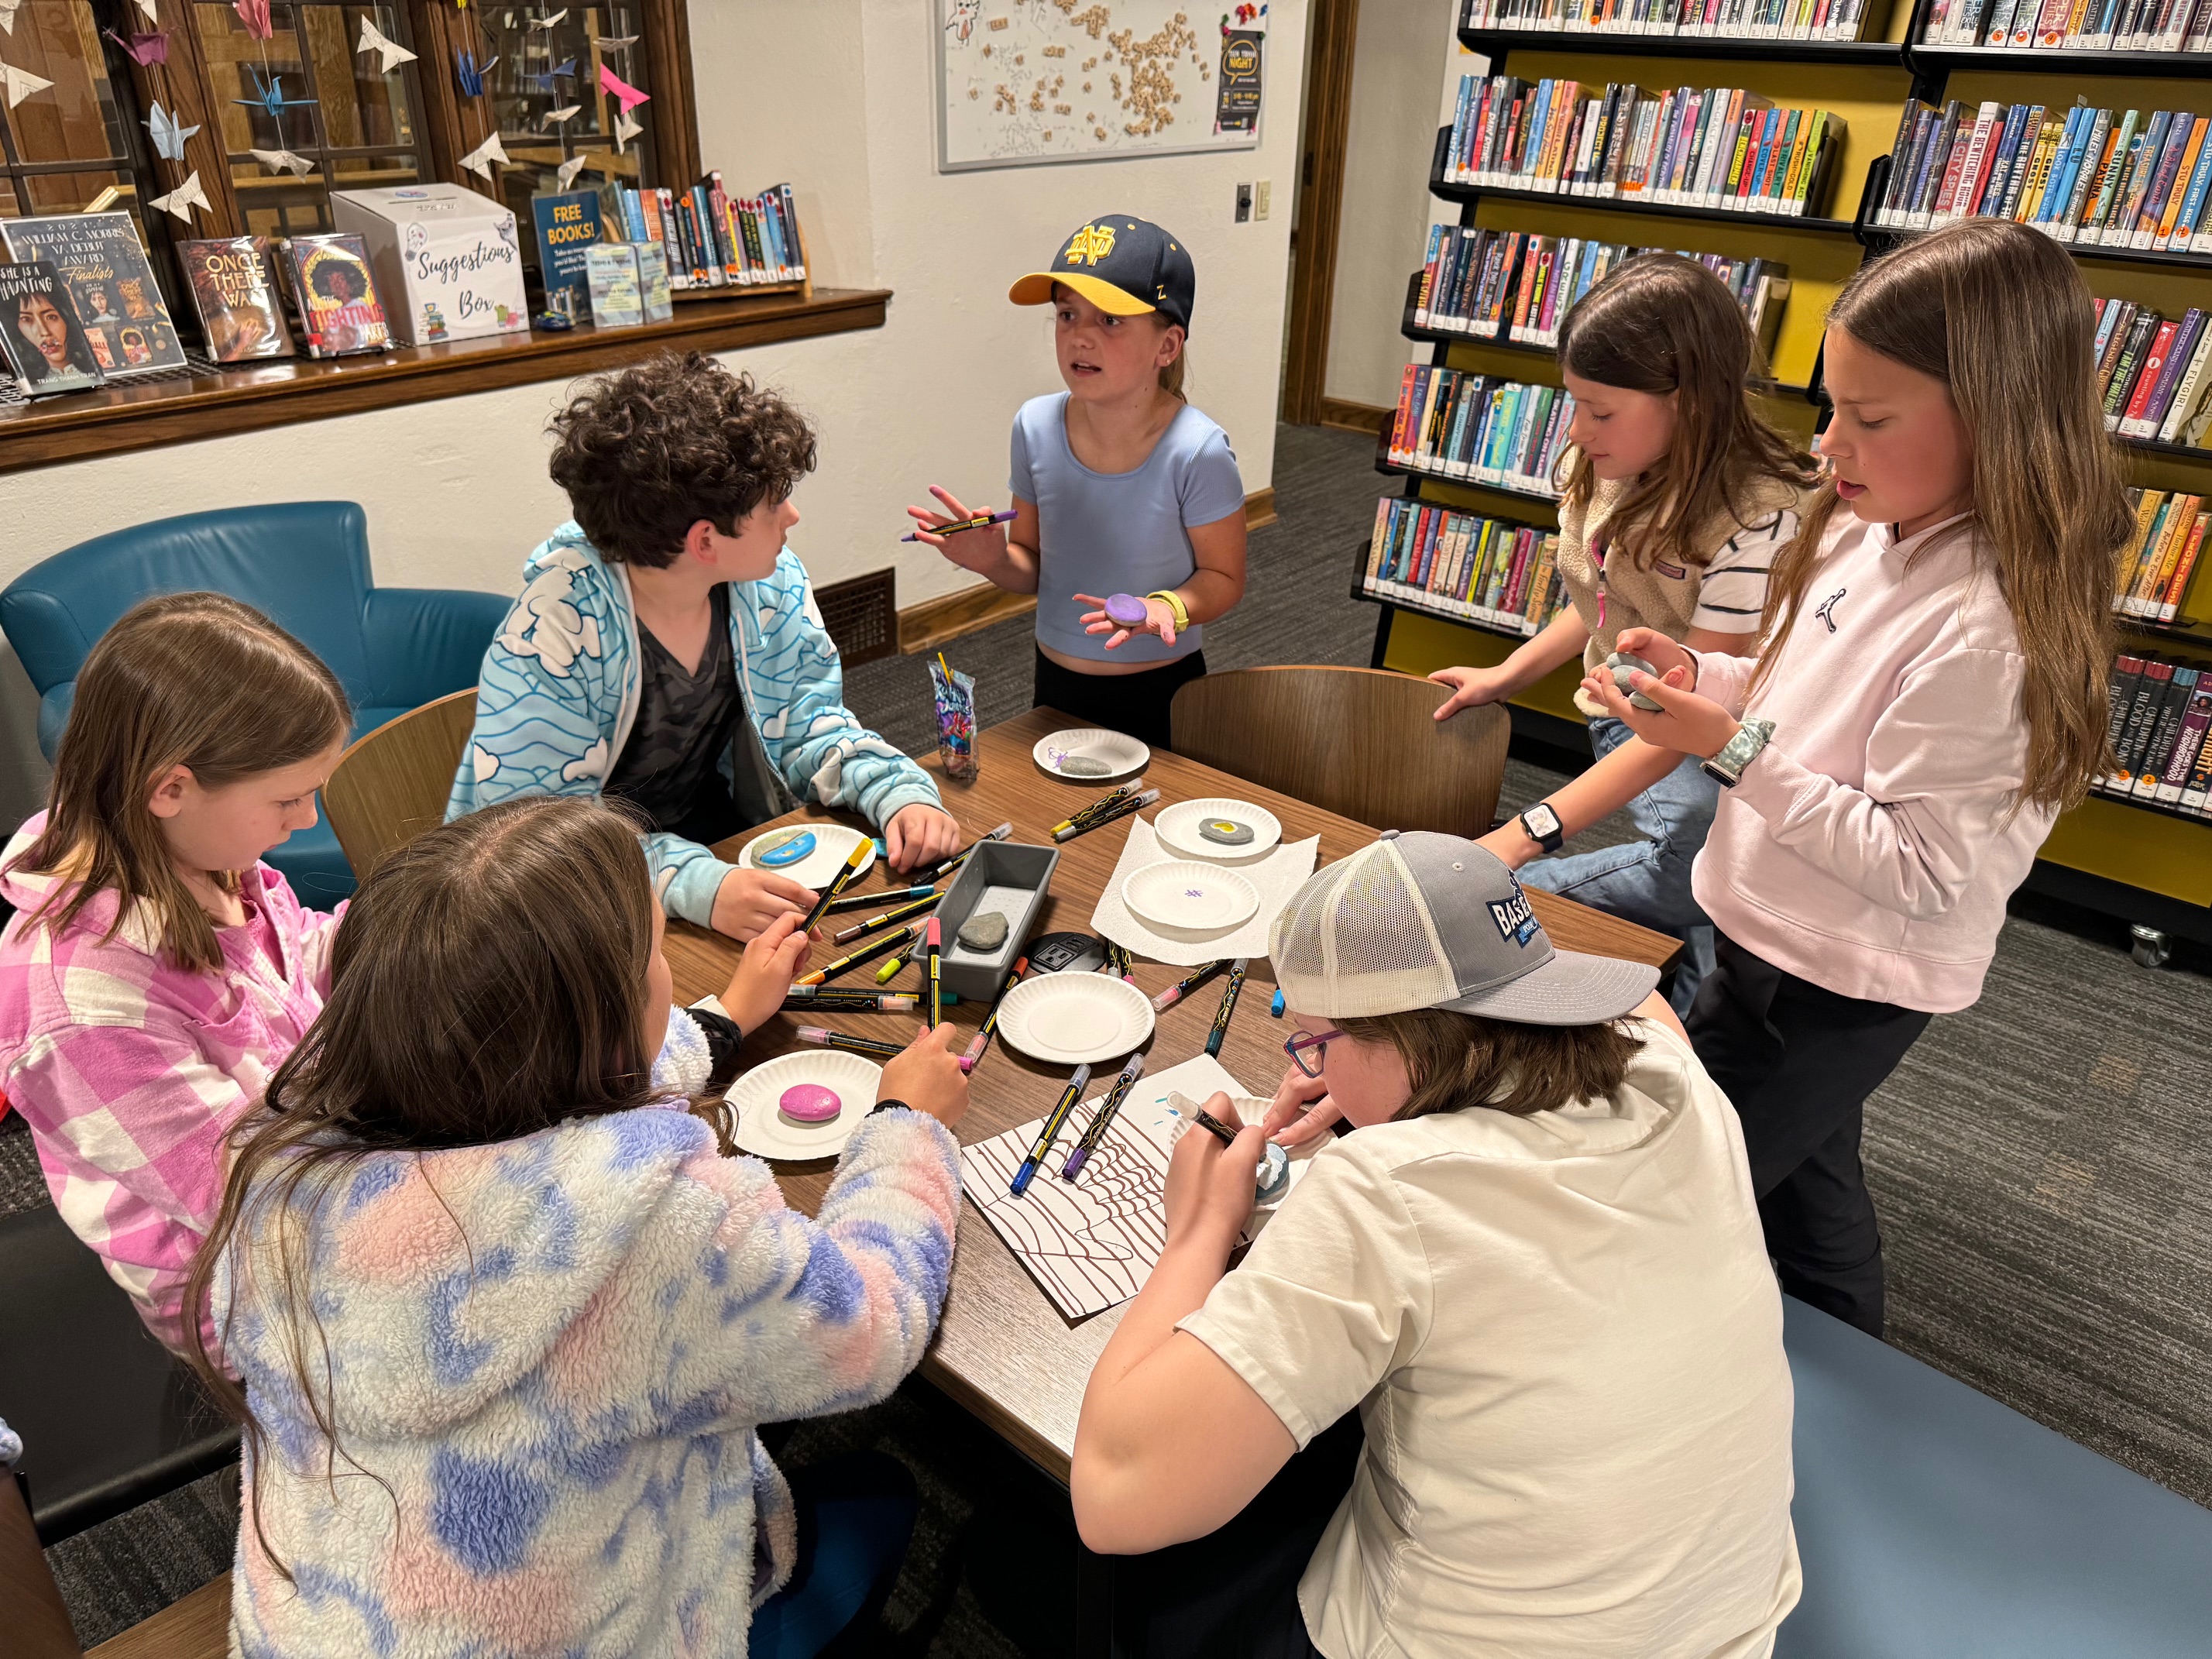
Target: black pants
[(1134, 703), (1799, 1063)]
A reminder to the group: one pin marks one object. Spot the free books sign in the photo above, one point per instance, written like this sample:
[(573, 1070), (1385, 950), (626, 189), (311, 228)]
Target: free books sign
[(448, 260)]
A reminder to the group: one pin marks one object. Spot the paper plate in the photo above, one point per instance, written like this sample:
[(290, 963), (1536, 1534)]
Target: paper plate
[(764, 1130), (1190, 896), (1178, 827), (1069, 1018), (833, 845), (1124, 755)]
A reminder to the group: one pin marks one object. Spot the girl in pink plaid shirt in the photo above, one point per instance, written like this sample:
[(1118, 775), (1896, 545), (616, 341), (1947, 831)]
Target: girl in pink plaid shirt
[(158, 970)]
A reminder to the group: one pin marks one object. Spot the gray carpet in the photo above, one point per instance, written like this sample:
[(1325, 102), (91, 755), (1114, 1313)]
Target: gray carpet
[(2043, 1162)]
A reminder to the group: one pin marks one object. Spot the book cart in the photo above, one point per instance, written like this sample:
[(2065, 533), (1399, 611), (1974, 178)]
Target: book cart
[(2148, 866)]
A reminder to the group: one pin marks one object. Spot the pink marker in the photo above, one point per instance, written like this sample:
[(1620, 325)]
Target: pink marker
[(934, 942)]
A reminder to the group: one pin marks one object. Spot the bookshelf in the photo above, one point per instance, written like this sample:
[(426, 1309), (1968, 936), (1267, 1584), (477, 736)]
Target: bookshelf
[(2143, 863)]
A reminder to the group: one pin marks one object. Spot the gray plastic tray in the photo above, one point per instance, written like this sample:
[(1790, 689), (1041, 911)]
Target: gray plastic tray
[(1008, 877)]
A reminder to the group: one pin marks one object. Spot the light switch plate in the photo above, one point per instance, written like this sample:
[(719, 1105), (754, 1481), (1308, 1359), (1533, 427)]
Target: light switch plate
[(1262, 198)]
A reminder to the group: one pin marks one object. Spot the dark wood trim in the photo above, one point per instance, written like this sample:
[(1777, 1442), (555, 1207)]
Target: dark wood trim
[(938, 622), (1259, 508), (1321, 204), (441, 30), (671, 109), (1349, 417), (121, 418), (186, 86)]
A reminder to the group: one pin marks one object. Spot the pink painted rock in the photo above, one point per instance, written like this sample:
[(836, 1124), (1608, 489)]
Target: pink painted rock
[(810, 1103)]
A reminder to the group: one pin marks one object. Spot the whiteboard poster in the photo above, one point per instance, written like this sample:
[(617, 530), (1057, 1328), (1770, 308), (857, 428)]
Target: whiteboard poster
[(1023, 82)]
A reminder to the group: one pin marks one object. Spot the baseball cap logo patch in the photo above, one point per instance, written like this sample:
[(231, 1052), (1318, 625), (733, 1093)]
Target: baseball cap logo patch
[(1089, 244), (1515, 921)]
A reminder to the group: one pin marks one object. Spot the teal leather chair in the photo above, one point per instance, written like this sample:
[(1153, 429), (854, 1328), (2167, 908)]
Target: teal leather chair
[(305, 563)]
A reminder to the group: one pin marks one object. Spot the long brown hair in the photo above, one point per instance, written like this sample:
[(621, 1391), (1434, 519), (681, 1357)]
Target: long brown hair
[(1999, 313), (199, 680), (489, 981), (1455, 1060), (1662, 324)]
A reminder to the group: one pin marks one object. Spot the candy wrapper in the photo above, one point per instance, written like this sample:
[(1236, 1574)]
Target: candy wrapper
[(956, 720)]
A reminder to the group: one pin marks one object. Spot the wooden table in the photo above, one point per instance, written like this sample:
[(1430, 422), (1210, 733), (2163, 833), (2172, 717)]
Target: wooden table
[(1002, 1350)]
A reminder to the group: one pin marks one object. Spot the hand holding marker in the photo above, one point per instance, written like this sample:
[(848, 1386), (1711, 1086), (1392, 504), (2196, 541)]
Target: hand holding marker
[(838, 883), (867, 953), (1097, 1132), (974, 521), (982, 1040)]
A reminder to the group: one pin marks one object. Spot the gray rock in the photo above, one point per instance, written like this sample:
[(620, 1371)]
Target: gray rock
[(1084, 766), (1225, 832), (985, 932)]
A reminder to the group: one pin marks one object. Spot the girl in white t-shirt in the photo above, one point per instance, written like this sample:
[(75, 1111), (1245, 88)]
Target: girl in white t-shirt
[(1535, 1268)]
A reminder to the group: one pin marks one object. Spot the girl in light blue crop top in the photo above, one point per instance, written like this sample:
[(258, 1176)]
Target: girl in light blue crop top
[(1119, 487)]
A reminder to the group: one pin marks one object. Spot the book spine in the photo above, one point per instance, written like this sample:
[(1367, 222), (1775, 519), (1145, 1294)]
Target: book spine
[(2125, 675), (2172, 365), (2175, 193), (2191, 215), (2189, 391), (2120, 231), (2176, 590), (2143, 715), (2188, 516), (2189, 742), (2161, 730), (2143, 226)]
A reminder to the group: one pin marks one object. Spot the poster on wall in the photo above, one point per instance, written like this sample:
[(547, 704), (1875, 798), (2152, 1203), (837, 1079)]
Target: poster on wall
[(1029, 83)]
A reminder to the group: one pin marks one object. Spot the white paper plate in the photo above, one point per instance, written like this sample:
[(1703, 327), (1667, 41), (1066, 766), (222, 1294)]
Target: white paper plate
[(833, 845), (1178, 826), (1071, 1018), (1190, 896), (1122, 753), (764, 1130)]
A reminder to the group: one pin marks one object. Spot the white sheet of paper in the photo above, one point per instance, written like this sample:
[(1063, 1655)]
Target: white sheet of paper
[(1092, 1243), (1277, 875)]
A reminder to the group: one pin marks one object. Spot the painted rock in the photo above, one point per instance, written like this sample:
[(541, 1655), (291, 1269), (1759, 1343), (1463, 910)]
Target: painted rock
[(1125, 609), (789, 850), (1225, 832), (982, 933), (810, 1103), (1084, 766), (1623, 665), (1275, 1175)]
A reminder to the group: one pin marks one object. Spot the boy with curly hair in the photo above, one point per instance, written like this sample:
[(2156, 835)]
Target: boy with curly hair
[(667, 649)]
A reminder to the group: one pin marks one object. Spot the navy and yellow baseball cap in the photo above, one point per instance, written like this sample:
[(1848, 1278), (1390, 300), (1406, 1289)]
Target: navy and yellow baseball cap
[(1123, 265)]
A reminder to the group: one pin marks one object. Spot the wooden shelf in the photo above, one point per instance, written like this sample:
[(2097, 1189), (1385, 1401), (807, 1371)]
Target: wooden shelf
[(1383, 464), (1872, 54), (1875, 235), (2181, 627), (2159, 807), (2031, 60), (244, 396)]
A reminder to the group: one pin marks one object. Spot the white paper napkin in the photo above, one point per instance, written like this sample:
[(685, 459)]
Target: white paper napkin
[(1276, 876)]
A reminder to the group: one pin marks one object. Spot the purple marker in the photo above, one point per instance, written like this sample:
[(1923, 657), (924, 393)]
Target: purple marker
[(1125, 609)]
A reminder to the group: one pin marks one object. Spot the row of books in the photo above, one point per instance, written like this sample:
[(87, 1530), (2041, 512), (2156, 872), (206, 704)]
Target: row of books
[(1490, 571), (2155, 371), (714, 240), (1511, 285), (1479, 428), (2098, 177), (2160, 711), (2071, 25), (1710, 147), (2155, 566), (1727, 20)]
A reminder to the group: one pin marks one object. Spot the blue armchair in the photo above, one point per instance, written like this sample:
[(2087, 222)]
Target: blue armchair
[(306, 563)]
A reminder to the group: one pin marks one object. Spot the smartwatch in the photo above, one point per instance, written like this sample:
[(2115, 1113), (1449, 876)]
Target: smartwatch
[(1726, 769), (1173, 600), (1541, 825)]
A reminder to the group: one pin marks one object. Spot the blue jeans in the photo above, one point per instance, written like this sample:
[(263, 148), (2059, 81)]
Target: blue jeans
[(1647, 882), (855, 1513)]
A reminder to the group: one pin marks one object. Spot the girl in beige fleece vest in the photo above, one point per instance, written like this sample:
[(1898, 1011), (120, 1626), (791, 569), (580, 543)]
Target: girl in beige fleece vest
[(1677, 494)]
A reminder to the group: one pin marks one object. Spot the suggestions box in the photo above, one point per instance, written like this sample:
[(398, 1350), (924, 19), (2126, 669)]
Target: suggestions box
[(449, 261)]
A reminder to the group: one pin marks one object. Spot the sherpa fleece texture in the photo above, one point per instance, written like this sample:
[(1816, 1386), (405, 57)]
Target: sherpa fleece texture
[(546, 1360)]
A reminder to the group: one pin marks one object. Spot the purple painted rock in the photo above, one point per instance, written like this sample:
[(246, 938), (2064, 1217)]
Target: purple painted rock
[(810, 1103), (1125, 609)]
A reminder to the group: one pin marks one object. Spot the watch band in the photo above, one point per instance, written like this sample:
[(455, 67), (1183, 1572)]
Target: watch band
[(1726, 769), (887, 1105), (1173, 600)]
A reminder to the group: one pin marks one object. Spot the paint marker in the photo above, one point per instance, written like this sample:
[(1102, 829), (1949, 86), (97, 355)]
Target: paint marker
[(1105, 803), (1228, 1007), (838, 883), (829, 1039), (862, 900), (1096, 1132), (979, 521), (822, 998), (867, 953), (1054, 1122), (1183, 986), (1134, 804), (897, 913), (982, 1039), (1277, 1007), (961, 857), (934, 942)]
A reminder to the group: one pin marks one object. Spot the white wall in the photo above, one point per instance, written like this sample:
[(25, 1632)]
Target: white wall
[(1383, 233), (836, 96)]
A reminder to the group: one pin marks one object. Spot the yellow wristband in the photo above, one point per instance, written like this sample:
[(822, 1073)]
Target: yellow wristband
[(1173, 600)]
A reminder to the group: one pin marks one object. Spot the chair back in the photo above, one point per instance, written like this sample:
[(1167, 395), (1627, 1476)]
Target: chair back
[(393, 784), (1363, 743)]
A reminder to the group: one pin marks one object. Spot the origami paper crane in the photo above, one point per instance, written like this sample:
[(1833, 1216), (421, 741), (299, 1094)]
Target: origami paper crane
[(554, 117), (272, 99), (614, 42), (471, 73), (479, 160), (144, 50), (8, 10), (548, 22), (254, 14), (626, 128), (168, 136), (282, 160), (374, 39), (567, 172), (544, 80), (621, 90), (153, 17), (21, 84), (183, 199)]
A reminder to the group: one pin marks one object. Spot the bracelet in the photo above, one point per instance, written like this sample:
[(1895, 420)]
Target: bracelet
[(889, 1105), (1173, 600)]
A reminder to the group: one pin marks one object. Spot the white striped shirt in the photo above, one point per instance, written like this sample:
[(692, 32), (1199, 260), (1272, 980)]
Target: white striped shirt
[(1732, 595)]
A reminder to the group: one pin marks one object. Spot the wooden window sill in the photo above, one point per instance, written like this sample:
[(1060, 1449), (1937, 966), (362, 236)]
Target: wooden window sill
[(246, 396)]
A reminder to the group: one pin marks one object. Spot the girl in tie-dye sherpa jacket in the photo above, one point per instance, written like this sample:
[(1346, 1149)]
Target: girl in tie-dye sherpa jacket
[(505, 1329)]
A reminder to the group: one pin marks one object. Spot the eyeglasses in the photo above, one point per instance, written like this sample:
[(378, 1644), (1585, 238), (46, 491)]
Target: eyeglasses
[(1306, 1050)]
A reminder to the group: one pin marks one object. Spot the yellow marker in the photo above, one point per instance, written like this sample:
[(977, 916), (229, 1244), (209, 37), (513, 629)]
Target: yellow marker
[(843, 880)]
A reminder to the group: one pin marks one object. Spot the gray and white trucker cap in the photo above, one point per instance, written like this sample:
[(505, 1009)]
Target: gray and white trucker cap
[(1423, 921)]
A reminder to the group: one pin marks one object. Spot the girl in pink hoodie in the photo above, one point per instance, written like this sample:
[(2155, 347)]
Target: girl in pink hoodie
[(1929, 695)]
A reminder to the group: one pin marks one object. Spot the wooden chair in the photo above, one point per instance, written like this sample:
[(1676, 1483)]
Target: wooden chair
[(31, 1609), (1361, 742), (393, 784)]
